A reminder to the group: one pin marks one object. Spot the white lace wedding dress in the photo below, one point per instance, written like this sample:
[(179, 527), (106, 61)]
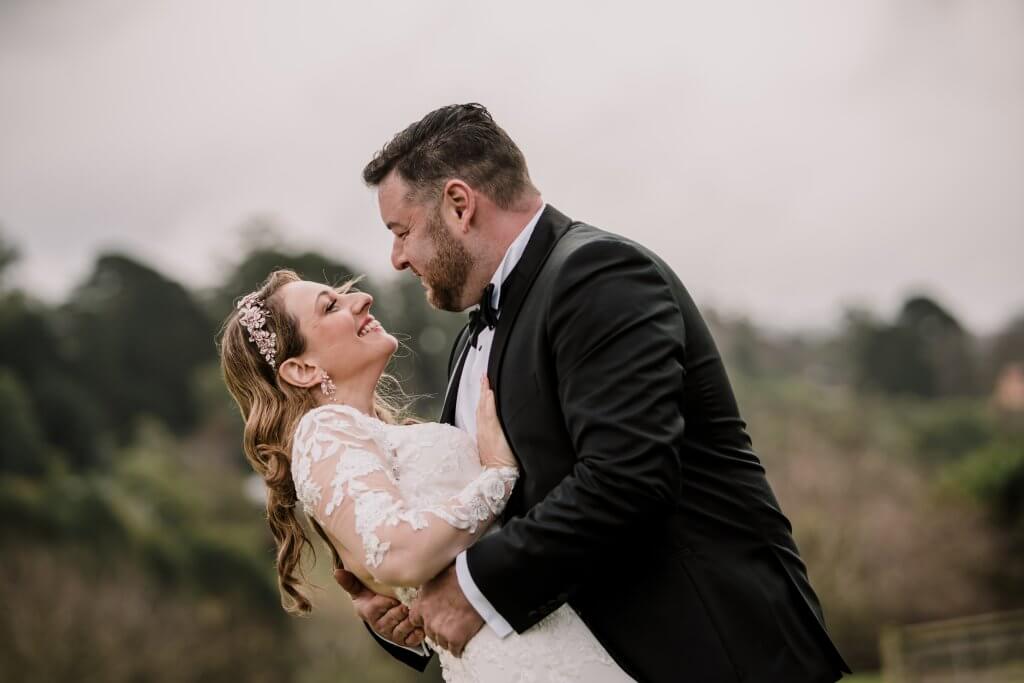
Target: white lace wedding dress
[(405, 499)]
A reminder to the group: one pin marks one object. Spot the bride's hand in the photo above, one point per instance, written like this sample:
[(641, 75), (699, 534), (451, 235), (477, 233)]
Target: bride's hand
[(490, 439)]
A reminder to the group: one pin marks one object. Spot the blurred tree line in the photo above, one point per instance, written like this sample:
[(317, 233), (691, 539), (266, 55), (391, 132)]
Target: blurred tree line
[(123, 487), (896, 460), (133, 536)]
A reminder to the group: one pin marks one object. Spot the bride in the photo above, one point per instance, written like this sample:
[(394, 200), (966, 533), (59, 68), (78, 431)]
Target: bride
[(396, 502)]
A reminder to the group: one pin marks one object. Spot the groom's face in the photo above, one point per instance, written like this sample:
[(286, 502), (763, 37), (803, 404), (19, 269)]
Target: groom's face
[(423, 243)]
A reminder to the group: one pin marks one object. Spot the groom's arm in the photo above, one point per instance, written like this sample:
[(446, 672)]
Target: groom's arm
[(618, 342)]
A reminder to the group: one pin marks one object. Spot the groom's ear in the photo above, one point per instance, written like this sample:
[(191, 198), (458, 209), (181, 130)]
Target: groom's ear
[(300, 373), (459, 201)]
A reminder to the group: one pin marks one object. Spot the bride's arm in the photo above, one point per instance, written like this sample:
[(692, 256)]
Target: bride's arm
[(344, 478)]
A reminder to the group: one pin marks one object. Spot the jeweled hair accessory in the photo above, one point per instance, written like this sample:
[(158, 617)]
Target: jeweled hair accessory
[(253, 317)]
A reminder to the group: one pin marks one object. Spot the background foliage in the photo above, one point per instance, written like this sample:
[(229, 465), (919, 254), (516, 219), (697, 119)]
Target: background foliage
[(132, 531)]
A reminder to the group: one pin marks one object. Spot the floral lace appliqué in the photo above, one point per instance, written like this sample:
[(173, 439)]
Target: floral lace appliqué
[(362, 450)]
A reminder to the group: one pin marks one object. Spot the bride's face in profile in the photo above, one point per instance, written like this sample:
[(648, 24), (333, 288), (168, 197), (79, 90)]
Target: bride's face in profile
[(341, 335)]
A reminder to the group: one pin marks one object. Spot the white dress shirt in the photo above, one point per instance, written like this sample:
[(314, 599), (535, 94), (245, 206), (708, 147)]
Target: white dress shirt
[(465, 414)]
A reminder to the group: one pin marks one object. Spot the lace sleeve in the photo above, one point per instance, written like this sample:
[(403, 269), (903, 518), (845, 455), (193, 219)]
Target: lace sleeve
[(342, 467)]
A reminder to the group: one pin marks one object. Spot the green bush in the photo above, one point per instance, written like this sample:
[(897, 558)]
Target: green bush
[(22, 448)]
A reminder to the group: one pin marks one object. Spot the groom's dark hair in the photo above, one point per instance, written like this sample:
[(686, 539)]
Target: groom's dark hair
[(457, 141)]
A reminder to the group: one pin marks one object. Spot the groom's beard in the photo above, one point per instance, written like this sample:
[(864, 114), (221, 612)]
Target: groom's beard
[(447, 272)]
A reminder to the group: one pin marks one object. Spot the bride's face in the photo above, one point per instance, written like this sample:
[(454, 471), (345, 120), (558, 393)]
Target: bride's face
[(341, 335)]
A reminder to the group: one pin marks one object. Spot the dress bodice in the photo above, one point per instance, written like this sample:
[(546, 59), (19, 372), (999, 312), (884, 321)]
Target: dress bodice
[(432, 461), (410, 497)]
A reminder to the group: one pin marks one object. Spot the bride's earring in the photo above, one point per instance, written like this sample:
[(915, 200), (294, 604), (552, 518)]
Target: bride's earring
[(327, 385)]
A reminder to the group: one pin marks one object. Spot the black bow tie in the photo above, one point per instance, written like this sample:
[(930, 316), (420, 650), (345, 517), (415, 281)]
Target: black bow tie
[(486, 316)]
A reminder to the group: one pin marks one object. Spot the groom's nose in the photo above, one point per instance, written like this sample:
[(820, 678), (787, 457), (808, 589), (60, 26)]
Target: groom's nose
[(398, 260)]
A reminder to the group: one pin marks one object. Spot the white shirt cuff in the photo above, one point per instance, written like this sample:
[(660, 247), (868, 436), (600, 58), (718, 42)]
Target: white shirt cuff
[(421, 650), (483, 607)]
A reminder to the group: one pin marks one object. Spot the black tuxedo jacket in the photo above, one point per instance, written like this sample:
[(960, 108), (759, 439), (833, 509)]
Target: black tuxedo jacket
[(640, 501)]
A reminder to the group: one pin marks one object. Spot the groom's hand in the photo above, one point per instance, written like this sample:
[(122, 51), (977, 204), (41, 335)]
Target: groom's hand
[(386, 616), (446, 615)]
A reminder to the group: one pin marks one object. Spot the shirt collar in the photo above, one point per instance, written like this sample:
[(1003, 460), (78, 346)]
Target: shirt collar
[(512, 256)]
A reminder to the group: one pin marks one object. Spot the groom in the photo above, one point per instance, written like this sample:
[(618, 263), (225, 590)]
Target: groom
[(640, 501)]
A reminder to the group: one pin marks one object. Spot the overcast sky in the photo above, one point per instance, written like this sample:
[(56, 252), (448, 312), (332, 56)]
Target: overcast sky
[(787, 158)]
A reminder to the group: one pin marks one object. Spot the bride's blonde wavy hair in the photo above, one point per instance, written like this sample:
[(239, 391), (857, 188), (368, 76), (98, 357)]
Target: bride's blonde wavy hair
[(271, 409)]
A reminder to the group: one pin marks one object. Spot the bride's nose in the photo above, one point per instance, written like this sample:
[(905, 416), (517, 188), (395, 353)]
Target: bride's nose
[(361, 302)]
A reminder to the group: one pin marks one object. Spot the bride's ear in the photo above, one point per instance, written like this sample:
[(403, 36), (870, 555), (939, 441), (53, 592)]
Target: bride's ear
[(300, 373)]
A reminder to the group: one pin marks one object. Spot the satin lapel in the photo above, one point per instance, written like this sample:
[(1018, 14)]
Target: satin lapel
[(451, 393), (553, 224)]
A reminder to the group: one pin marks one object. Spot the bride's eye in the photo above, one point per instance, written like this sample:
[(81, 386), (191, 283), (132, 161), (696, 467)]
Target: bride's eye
[(331, 306)]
